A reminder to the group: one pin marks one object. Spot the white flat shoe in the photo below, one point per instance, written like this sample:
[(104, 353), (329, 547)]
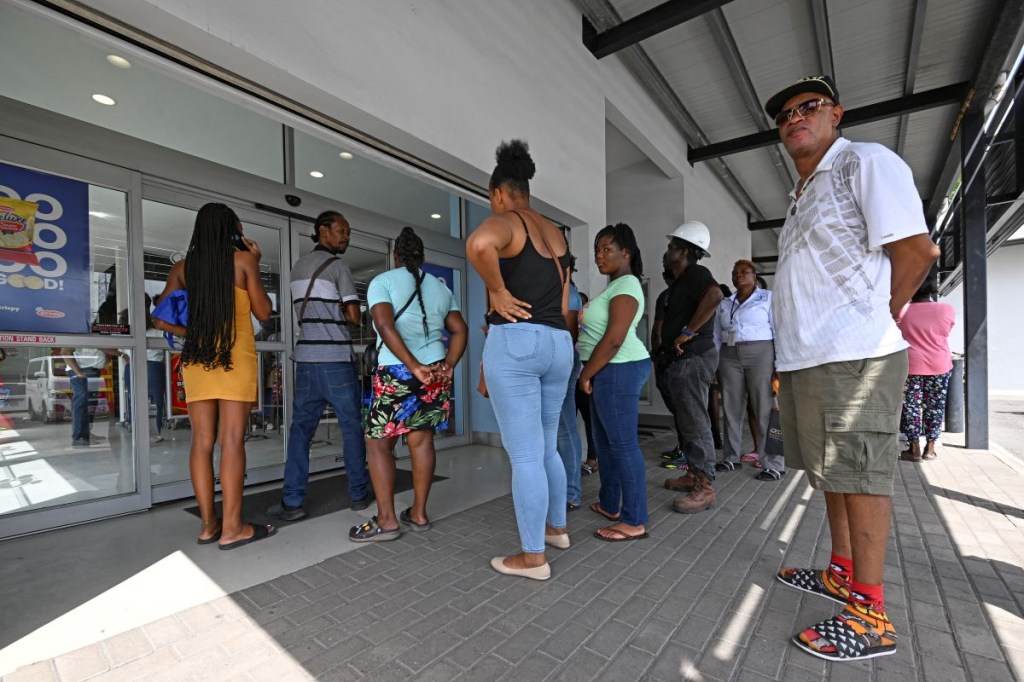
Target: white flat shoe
[(542, 572), (557, 541)]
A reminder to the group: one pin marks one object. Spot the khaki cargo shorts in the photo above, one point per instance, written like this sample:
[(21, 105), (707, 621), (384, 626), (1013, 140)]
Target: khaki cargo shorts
[(840, 423)]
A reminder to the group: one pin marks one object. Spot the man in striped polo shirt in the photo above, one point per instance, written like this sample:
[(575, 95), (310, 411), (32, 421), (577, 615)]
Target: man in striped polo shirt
[(326, 371)]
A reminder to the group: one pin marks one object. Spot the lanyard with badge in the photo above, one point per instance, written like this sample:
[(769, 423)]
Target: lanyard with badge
[(730, 334)]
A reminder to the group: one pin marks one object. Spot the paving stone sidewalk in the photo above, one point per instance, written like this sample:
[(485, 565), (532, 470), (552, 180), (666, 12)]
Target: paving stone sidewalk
[(696, 601)]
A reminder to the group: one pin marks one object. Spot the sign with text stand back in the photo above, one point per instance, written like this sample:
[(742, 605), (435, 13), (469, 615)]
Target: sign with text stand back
[(44, 253)]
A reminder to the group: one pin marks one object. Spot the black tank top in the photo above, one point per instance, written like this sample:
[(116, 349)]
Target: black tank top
[(532, 278)]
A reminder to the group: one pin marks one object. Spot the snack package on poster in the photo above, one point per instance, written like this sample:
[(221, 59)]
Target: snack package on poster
[(17, 229)]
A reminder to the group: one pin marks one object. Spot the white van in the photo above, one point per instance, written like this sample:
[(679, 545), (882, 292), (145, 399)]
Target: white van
[(48, 390)]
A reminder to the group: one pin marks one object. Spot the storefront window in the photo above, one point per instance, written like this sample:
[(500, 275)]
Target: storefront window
[(167, 231), (65, 426), (92, 79), (341, 173)]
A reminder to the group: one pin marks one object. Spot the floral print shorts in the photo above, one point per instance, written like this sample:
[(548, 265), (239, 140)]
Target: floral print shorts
[(402, 404)]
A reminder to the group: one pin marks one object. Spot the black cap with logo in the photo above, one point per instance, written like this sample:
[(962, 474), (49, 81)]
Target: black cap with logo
[(822, 85)]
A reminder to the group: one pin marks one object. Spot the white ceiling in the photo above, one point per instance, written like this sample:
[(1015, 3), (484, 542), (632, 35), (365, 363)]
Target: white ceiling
[(58, 69)]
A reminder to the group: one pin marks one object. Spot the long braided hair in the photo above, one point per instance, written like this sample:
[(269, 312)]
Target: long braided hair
[(210, 281), (409, 248)]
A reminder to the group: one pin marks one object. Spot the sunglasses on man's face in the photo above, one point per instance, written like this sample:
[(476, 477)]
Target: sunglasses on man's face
[(805, 109)]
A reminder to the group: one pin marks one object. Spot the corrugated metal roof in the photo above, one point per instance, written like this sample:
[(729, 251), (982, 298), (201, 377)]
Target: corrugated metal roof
[(870, 47)]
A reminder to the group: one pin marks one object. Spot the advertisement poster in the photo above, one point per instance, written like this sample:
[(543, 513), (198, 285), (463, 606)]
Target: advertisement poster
[(179, 406), (448, 275), (44, 252)]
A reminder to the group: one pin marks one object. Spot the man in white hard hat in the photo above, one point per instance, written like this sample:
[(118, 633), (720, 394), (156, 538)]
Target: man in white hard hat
[(852, 252), (688, 343)]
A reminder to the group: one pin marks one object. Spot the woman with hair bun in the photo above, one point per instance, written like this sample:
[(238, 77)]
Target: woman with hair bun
[(523, 260), (412, 384), (221, 274)]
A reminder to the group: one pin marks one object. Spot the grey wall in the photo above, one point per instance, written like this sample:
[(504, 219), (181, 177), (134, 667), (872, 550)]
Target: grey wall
[(653, 204)]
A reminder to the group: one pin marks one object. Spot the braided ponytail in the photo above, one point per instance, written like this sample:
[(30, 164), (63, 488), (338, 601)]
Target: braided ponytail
[(409, 248)]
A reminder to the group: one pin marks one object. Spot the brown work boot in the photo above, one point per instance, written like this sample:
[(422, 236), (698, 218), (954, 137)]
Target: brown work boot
[(683, 484), (700, 498)]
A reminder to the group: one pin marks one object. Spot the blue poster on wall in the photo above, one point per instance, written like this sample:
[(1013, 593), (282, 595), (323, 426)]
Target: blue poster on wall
[(448, 276), (44, 252)]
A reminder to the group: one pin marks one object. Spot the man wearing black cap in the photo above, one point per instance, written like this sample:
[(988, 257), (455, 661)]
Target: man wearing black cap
[(325, 302), (852, 252)]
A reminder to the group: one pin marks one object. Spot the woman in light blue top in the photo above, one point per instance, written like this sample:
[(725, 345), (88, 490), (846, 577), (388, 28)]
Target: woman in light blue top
[(616, 364), (412, 384)]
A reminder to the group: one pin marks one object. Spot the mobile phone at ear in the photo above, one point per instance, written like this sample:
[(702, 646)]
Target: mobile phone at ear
[(238, 242)]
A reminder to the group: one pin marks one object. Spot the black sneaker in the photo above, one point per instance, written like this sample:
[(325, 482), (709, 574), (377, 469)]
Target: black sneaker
[(80, 443), (674, 453), (286, 513)]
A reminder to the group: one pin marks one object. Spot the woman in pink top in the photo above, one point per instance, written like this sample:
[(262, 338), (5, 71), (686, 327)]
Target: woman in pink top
[(925, 325)]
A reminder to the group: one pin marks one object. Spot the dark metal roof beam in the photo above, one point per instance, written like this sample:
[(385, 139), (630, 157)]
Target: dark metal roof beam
[(741, 78), (602, 13), (755, 225), (1001, 46), (913, 56), (824, 37), (646, 24), (929, 99)]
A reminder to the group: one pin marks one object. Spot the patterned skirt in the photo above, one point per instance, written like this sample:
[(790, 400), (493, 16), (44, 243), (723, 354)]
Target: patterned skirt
[(402, 404)]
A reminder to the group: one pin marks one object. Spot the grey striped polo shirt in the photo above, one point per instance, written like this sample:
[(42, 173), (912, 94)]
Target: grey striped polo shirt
[(323, 334)]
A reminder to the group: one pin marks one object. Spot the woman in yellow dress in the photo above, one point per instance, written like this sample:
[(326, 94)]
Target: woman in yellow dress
[(221, 274)]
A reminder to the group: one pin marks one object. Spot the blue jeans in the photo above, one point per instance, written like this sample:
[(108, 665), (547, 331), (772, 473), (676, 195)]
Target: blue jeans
[(527, 368), (615, 413), (570, 447), (318, 384), (157, 390), (80, 418)]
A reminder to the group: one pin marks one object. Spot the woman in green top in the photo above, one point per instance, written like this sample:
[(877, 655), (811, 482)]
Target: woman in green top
[(615, 366)]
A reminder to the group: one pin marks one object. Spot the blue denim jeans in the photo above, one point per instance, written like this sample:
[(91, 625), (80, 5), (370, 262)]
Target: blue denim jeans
[(527, 368), (80, 417), (157, 390), (615, 413), (570, 447), (318, 384)]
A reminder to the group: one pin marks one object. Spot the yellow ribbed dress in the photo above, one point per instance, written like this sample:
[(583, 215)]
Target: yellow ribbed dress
[(220, 384)]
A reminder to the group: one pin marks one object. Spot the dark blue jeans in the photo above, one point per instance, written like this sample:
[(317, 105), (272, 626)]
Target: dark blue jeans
[(615, 413), (80, 418), (570, 448), (157, 390), (318, 384)]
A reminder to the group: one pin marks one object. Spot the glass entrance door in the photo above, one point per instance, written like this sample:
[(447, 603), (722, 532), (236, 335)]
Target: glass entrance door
[(168, 217), (68, 336), (366, 257)]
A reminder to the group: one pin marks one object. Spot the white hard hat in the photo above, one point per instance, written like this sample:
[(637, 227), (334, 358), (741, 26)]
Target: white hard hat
[(696, 233)]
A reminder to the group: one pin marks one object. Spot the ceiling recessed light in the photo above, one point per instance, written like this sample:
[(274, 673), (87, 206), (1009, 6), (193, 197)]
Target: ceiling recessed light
[(104, 99), (316, 174), (345, 155), (118, 61), (435, 216)]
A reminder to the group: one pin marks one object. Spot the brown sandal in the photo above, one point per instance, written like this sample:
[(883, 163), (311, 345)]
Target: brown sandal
[(596, 508)]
